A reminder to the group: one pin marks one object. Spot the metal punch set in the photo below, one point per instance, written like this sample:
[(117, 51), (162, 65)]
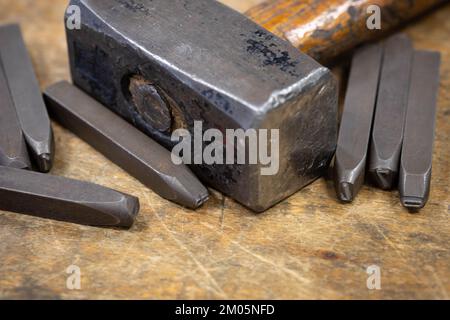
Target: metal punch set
[(388, 121), (125, 102)]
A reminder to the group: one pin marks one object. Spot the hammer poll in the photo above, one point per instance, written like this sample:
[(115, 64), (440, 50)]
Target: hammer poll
[(163, 65)]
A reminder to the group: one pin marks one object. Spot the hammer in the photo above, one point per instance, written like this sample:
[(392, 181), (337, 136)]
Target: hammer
[(164, 65)]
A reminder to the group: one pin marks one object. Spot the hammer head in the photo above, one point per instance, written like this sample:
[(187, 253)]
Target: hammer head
[(164, 64)]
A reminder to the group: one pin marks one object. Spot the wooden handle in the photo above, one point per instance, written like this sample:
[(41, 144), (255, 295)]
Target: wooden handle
[(325, 29)]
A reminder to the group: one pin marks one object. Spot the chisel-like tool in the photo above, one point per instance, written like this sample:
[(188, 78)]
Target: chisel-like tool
[(417, 153), (165, 65), (63, 199), (13, 151), (356, 124), (124, 145), (387, 133), (27, 97)]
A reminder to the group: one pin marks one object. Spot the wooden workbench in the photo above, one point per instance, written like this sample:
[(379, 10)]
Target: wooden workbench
[(309, 246)]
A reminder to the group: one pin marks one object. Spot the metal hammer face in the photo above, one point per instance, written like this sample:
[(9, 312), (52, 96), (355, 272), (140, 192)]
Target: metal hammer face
[(164, 64)]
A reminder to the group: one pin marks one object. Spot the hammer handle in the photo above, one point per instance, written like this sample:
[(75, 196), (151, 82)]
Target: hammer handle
[(325, 29)]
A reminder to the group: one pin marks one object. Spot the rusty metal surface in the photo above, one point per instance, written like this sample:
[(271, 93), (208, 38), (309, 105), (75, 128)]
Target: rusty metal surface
[(417, 153), (63, 199), (242, 78), (123, 144), (26, 97)]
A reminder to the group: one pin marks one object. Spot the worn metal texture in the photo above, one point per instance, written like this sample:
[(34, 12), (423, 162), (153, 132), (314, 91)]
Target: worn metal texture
[(26, 96), (417, 153), (124, 145), (356, 123), (207, 62), (392, 101), (64, 199), (13, 151)]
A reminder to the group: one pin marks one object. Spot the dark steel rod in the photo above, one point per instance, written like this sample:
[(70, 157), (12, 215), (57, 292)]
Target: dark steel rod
[(13, 151), (125, 145), (392, 101)]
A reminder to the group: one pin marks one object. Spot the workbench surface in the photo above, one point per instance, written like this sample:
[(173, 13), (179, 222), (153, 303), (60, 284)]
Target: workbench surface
[(309, 246)]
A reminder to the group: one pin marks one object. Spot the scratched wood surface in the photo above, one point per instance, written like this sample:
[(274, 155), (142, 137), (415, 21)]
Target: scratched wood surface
[(309, 246)]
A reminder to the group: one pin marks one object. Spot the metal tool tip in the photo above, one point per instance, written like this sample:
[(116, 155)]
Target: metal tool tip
[(384, 178), (345, 192), (413, 203), (44, 162)]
